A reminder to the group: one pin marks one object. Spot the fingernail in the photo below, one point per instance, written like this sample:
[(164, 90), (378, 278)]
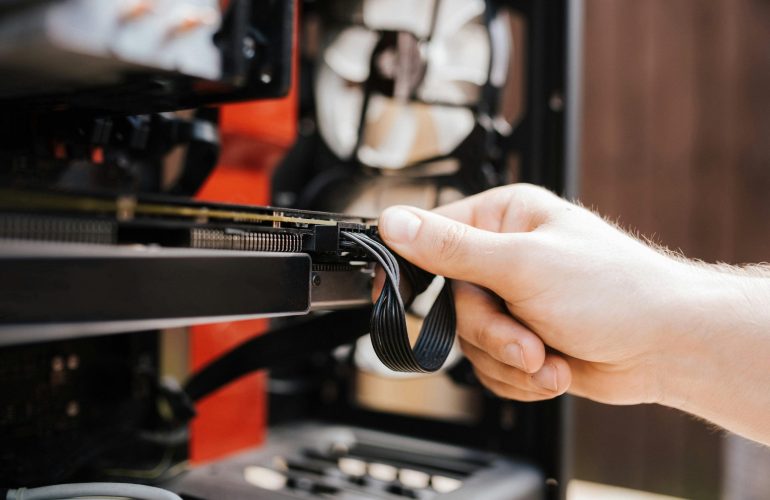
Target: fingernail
[(546, 378), (514, 355), (399, 226)]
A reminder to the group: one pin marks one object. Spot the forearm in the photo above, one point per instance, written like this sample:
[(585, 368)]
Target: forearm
[(719, 368)]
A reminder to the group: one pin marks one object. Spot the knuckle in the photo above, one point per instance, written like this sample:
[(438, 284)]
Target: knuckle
[(488, 334), (485, 335), (449, 243)]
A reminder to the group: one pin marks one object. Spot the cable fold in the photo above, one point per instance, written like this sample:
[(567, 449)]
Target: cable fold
[(388, 321)]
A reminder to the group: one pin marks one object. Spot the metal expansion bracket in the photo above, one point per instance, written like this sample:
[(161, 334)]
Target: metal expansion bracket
[(53, 291)]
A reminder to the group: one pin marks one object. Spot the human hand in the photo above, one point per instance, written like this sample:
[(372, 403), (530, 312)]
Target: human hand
[(549, 296)]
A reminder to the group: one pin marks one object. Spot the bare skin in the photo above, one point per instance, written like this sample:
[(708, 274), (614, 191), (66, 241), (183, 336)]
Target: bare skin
[(553, 299)]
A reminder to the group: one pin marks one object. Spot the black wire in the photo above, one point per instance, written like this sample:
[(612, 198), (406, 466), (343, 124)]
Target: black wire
[(296, 341), (388, 322)]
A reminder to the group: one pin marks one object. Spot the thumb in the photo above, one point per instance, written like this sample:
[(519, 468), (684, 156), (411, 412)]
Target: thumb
[(446, 247)]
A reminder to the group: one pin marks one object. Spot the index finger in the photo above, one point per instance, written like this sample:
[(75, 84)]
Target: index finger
[(514, 208)]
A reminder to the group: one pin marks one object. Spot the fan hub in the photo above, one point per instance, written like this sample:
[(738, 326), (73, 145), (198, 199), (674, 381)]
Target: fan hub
[(398, 64)]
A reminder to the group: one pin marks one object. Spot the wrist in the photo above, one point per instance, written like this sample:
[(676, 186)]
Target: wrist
[(676, 344), (723, 319)]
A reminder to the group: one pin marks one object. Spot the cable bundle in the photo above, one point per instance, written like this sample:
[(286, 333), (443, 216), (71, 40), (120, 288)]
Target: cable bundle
[(388, 321), (91, 490)]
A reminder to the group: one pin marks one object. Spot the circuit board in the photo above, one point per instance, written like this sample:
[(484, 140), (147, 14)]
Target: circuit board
[(173, 222)]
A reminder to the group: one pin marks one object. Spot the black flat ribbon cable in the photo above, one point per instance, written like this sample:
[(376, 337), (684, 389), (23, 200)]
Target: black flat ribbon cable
[(388, 323)]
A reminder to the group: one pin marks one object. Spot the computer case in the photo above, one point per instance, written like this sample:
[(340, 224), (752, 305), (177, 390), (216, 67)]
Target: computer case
[(92, 237)]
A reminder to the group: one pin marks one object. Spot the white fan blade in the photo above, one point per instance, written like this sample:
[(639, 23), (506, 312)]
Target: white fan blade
[(398, 134), (502, 49), (415, 16), (454, 14), (350, 53), (389, 135), (452, 125), (338, 108), (457, 66)]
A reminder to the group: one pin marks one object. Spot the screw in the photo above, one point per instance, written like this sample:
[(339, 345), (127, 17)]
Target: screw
[(316, 280), (57, 364), (73, 362), (249, 48), (556, 102), (73, 409)]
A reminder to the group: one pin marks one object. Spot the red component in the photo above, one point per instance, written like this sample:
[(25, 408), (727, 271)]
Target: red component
[(97, 155), (255, 136), (60, 151), (234, 417)]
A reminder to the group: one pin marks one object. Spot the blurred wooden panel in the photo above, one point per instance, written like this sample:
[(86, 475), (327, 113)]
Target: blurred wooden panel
[(676, 144)]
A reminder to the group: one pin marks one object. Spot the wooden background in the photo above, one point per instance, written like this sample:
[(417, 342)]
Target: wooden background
[(676, 143)]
